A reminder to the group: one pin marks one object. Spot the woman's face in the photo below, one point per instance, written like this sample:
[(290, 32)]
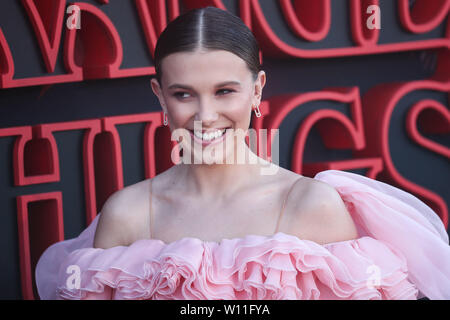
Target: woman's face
[(214, 87)]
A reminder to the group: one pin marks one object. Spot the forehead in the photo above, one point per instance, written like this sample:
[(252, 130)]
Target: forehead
[(203, 68)]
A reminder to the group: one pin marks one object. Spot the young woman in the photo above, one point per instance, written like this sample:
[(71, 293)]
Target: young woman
[(209, 229)]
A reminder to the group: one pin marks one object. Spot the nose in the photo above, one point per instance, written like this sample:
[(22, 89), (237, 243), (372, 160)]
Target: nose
[(206, 113)]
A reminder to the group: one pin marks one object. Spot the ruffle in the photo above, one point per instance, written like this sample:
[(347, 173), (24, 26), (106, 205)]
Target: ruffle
[(403, 221), (401, 252), (255, 267)]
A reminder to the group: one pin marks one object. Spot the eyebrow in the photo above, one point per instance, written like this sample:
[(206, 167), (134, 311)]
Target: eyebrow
[(183, 86)]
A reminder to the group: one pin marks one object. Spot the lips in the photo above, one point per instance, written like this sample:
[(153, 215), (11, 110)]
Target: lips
[(212, 141), (203, 131)]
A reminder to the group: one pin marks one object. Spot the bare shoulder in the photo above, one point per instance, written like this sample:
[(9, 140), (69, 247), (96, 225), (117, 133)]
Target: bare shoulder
[(320, 213), (123, 220), (317, 194)]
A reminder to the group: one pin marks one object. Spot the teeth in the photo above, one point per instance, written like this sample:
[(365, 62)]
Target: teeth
[(209, 136)]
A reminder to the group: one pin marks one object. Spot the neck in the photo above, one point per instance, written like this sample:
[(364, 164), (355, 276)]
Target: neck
[(210, 181)]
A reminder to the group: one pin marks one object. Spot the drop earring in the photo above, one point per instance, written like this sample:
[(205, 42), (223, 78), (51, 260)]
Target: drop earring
[(257, 111), (166, 120)]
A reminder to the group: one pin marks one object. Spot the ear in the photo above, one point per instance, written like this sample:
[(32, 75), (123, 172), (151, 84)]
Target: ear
[(158, 92), (259, 85)]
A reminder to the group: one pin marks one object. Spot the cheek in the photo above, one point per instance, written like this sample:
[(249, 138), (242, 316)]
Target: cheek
[(239, 111), (179, 114)]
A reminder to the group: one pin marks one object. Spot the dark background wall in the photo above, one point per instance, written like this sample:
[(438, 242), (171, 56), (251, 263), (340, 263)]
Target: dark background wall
[(90, 99)]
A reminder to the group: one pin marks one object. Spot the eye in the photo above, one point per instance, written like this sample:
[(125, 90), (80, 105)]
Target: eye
[(222, 90), (180, 94)]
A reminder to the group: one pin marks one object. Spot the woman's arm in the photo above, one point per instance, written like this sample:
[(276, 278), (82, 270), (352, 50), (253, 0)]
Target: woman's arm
[(322, 215), (116, 224), (113, 229)]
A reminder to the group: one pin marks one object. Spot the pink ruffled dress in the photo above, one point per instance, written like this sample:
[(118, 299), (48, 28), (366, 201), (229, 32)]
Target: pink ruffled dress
[(402, 252)]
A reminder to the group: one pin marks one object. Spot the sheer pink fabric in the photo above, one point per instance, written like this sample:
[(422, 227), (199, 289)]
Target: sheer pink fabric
[(402, 253)]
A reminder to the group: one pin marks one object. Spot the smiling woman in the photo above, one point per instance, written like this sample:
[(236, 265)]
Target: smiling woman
[(193, 89), (210, 230), (208, 70)]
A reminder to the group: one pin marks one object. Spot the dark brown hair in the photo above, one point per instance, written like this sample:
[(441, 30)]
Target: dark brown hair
[(209, 28)]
